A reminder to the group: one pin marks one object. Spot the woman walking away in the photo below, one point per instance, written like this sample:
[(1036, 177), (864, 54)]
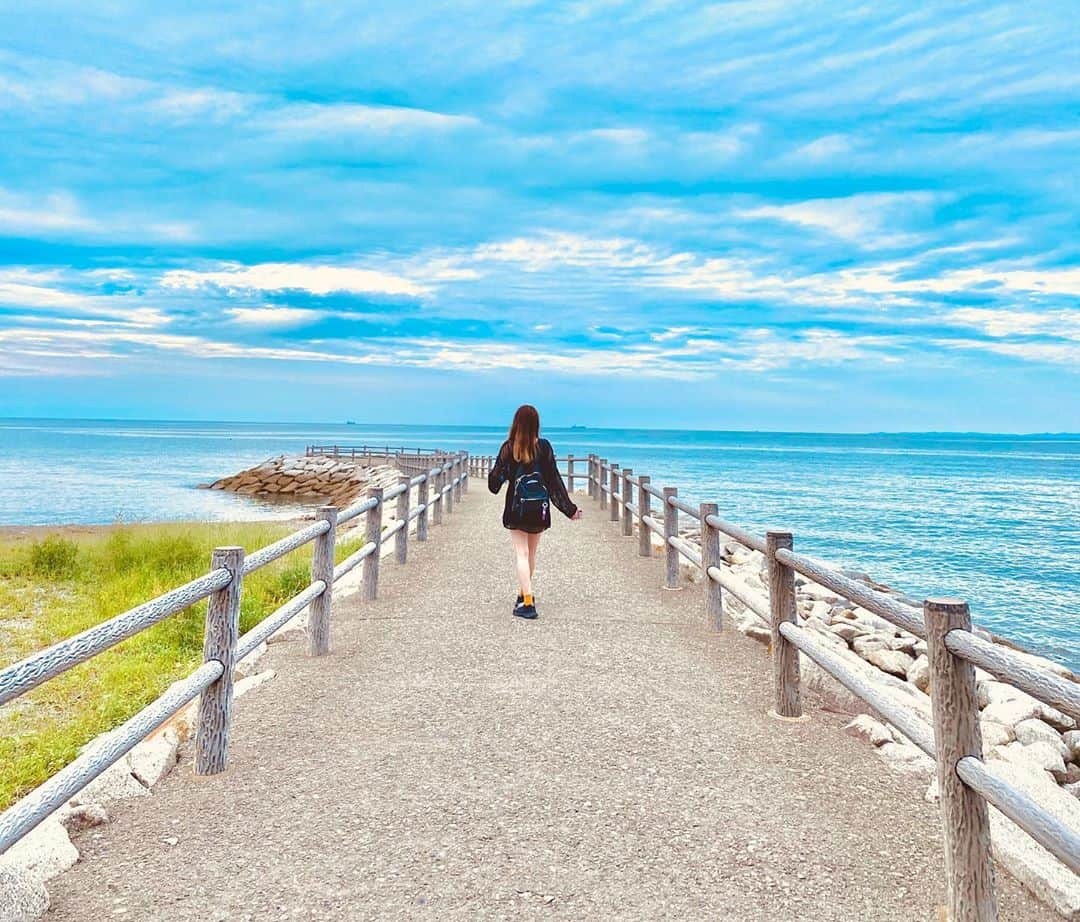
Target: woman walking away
[(528, 463)]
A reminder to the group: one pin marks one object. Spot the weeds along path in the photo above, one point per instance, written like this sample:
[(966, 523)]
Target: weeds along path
[(610, 760)]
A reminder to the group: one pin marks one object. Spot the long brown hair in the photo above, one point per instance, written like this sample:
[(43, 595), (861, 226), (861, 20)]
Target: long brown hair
[(524, 433)]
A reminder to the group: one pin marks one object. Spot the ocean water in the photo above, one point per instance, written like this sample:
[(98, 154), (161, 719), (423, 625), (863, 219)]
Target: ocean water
[(994, 519)]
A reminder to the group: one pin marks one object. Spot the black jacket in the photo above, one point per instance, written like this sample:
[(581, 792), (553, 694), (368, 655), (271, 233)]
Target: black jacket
[(506, 468)]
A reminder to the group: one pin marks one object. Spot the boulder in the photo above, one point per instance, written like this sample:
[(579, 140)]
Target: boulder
[(1039, 755), (874, 732), (994, 734), (1035, 867), (847, 630), (1034, 730), (918, 673), (906, 757), (868, 643), (22, 898), (1008, 705), (1071, 738), (891, 661), (84, 816), (42, 853), (905, 643), (153, 758), (115, 783)]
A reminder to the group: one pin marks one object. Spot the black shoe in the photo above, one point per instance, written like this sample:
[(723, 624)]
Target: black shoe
[(525, 611), (520, 599)]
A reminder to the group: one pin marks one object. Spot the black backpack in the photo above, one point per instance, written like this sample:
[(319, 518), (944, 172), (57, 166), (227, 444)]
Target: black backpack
[(530, 503)]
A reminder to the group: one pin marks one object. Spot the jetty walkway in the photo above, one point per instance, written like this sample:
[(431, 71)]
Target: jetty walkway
[(612, 759)]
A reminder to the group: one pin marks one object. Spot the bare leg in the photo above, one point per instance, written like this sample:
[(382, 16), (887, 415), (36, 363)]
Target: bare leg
[(534, 546), (520, 541)]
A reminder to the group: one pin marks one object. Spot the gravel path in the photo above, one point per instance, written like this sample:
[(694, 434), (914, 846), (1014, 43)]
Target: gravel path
[(610, 760)]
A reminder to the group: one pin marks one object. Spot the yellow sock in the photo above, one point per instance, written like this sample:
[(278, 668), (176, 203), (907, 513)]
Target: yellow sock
[(528, 600)]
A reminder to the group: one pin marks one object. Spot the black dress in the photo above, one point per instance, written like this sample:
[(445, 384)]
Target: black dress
[(506, 468)]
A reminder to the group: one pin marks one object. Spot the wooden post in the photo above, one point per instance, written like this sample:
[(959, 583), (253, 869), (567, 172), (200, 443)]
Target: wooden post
[(782, 608), (322, 567), (644, 532), (401, 539), (436, 497), (570, 473), (448, 482), (373, 534), (465, 474), (626, 495), (710, 557), (969, 870), (459, 487), (671, 529), (601, 474), (613, 497), (219, 643), (422, 501), (590, 466)]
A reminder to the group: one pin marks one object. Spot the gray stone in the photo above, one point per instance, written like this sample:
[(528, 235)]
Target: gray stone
[(906, 757), (994, 734), (153, 758), (1041, 755), (1034, 730), (1071, 739), (864, 727), (43, 852), (867, 643), (847, 630), (891, 661), (115, 783), (22, 899), (76, 818), (904, 643), (918, 673)]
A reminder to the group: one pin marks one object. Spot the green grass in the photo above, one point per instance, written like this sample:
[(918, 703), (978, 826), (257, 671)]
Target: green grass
[(56, 587)]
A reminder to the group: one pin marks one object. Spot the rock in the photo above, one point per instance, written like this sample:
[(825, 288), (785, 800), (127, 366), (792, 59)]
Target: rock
[(905, 643), (1072, 774), (75, 818), (866, 728), (245, 685), (1071, 739), (43, 852), (906, 758), (1036, 868), (994, 734), (918, 673), (1009, 705), (1034, 730), (758, 633), (868, 643), (847, 630), (820, 609), (115, 783), (22, 899), (1073, 788), (891, 661), (1040, 755), (153, 758)]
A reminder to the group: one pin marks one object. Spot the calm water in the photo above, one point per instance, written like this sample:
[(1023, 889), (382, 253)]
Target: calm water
[(995, 519)]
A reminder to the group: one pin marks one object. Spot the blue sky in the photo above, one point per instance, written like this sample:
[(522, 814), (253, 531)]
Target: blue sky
[(823, 216)]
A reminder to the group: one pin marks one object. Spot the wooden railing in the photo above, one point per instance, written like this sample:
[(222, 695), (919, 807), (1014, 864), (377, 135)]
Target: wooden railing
[(373, 451), (438, 488), (966, 782)]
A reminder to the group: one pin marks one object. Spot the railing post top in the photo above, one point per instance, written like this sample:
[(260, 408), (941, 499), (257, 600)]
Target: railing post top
[(628, 470), (944, 605), (645, 478), (708, 509), (228, 553), (671, 491), (776, 539), (327, 512)]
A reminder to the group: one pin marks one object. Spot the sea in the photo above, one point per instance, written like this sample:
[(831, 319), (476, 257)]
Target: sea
[(994, 519)]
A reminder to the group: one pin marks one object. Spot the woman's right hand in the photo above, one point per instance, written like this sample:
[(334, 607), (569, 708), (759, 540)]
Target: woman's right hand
[(577, 515)]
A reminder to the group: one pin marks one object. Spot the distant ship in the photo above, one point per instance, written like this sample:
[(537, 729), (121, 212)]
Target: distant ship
[(350, 422), (579, 427)]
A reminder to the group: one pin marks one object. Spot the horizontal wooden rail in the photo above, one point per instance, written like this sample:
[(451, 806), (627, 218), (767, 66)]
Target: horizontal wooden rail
[(904, 719), (1011, 667), (741, 535), (686, 548), (903, 616), (213, 679), (683, 506), (754, 602), (286, 545), (46, 664), (1045, 828)]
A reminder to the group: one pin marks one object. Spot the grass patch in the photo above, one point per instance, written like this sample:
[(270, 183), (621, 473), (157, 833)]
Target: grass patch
[(56, 587)]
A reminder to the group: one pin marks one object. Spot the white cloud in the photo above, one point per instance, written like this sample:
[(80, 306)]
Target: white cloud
[(869, 219), (273, 316), (316, 279), (315, 119)]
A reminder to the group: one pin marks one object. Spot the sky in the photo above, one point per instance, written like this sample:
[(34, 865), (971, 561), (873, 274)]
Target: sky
[(753, 215)]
